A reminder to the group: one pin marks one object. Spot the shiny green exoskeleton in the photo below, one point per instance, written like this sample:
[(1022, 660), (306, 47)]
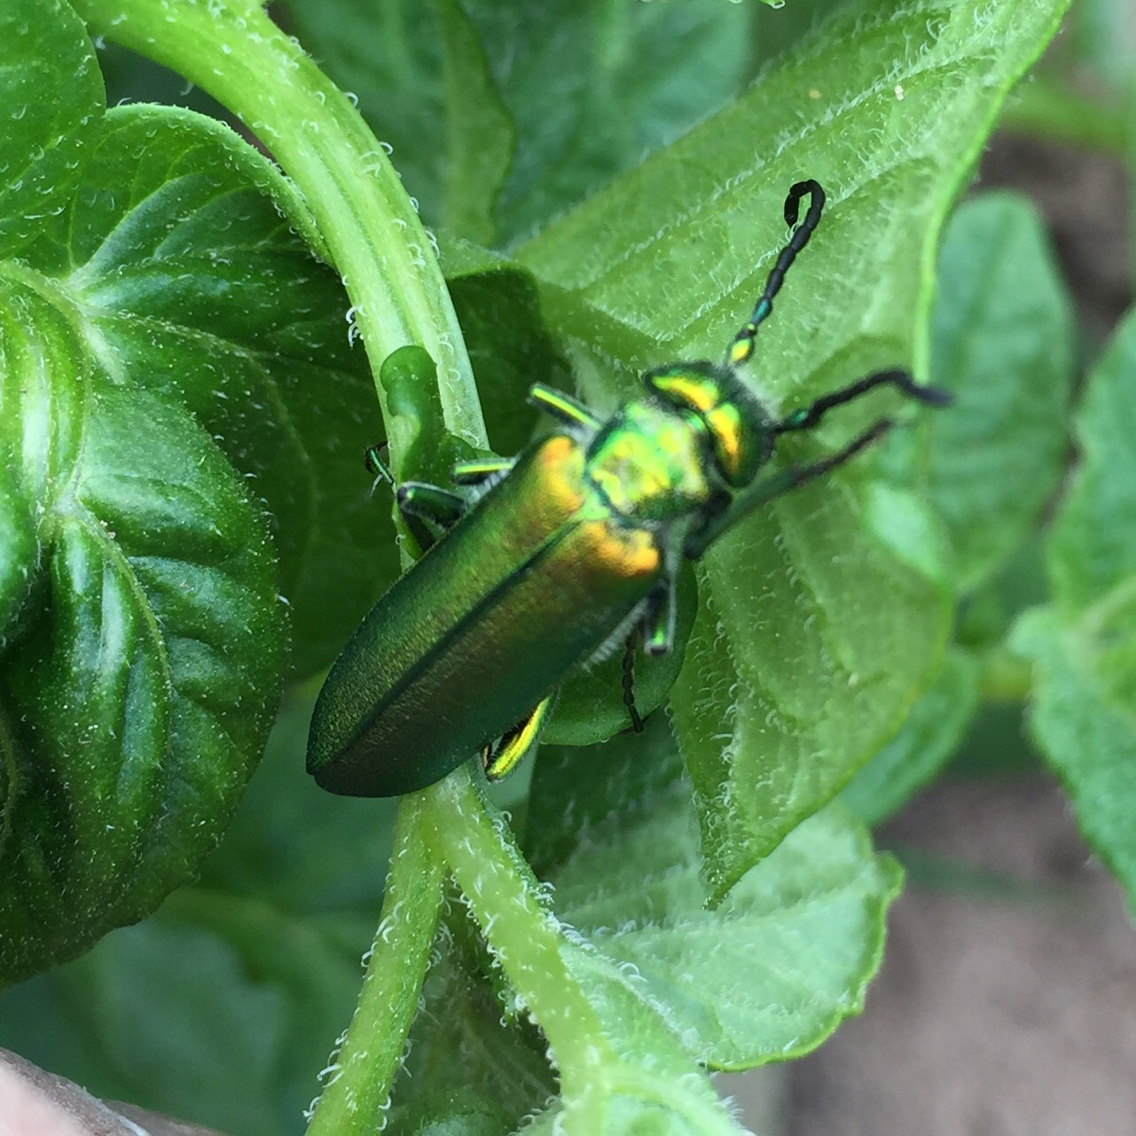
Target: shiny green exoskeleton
[(575, 542)]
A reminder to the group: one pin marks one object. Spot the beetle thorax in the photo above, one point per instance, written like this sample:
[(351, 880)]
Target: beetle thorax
[(649, 463)]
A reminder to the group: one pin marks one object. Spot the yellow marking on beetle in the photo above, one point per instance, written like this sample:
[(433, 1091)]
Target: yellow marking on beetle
[(608, 483), (517, 742), (626, 552), (624, 447), (726, 424), (695, 391), (561, 467), (648, 483)]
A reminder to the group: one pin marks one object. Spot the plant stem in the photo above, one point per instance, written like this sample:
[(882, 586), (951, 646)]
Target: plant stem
[(358, 1094), (232, 49), (523, 934)]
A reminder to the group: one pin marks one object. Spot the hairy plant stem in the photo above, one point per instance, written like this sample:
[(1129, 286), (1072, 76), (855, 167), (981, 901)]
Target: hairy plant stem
[(524, 936), (362, 1073)]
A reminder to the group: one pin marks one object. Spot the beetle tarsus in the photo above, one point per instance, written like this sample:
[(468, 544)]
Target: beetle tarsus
[(629, 683)]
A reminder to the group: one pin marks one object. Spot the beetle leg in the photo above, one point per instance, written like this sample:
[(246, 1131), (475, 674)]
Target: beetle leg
[(657, 627), (427, 510), (563, 407), (376, 463), (629, 682), (659, 620), (778, 483), (477, 470), (430, 502), (504, 757), (808, 417)]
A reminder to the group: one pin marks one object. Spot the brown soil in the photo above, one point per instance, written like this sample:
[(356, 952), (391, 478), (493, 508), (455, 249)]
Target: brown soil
[(1006, 1005)]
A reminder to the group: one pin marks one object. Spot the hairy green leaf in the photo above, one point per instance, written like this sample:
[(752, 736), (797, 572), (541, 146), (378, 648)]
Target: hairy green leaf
[(573, 789), (644, 1078), (160, 304), (767, 974), (586, 88), (52, 98), (189, 282), (135, 702), (264, 956), (479, 131), (620, 1060), (472, 1059), (498, 306), (925, 741)]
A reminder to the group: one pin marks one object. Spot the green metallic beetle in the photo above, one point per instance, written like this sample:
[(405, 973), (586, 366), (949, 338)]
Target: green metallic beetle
[(570, 546)]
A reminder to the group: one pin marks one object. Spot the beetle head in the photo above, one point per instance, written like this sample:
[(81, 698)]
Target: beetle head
[(738, 426)]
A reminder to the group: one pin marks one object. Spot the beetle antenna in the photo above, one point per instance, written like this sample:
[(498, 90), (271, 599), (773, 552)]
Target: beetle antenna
[(808, 417), (741, 348)]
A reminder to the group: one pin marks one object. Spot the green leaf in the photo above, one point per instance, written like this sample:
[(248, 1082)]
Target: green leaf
[(1092, 545), (985, 618), (620, 1060), (479, 130), (935, 726), (498, 306), (472, 1059), (1002, 342), (778, 30), (593, 86), (574, 789), (1082, 719), (53, 96), (142, 635), (645, 1081), (767, 974), (795, 675), (819, 623), (173, 1020), (189, 282), (138, 698), (1083, 709), (18, 550), (178, 1015)]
